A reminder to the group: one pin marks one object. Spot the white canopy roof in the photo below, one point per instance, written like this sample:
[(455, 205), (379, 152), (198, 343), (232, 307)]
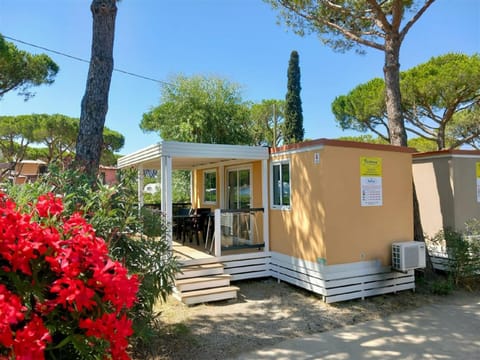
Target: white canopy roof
[(189, 155)]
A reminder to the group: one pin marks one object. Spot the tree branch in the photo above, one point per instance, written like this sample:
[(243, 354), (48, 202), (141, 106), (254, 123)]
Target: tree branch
[(345, 32), (397, 15), (448, 113), (380, 15), (465, 140), (415, 18), (467, 106), (334, 6), (427, 111), (379, 133), (425, 135), (422, 126), (350, 35)]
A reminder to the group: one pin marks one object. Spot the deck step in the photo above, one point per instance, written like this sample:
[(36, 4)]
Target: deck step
[(200, 271), (204, 282), (207, 295)]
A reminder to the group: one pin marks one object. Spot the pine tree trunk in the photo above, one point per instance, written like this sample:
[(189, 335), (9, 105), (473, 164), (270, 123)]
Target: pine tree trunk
[(418, 234), (396, 124), (391, 71), (417, 223), (441, 137), (95, 101)]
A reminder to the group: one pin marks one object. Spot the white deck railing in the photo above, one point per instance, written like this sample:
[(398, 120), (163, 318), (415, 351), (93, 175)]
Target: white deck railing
[(237, 229)]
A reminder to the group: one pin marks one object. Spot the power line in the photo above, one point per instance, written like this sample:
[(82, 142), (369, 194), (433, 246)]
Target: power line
[(84, 60)]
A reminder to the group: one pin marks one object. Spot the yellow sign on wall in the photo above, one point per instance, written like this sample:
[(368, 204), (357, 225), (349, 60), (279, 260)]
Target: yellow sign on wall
[(478, 169), (372, 166)]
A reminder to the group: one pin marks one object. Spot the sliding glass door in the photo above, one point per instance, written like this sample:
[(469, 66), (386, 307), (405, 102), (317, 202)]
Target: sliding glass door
[(237, 225), (239, 189)]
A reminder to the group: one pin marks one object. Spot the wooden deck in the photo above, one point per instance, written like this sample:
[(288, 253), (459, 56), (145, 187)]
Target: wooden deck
[(190, 252)]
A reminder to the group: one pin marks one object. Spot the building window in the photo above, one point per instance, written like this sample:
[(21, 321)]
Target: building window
[(210, 187), (281, 185)]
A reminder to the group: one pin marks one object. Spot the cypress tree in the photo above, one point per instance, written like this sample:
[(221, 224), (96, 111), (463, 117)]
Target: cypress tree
[(294, 130)]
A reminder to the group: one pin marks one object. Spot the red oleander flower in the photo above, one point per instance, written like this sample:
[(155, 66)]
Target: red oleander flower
[(22, 240), (11, 307), (49, 205), (110, 328), (65, 262), (11, 312), (118, 287), (72, 294), (31, 341)]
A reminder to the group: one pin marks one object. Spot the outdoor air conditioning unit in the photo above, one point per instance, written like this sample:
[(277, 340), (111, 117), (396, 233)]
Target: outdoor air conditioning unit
[(408, 255)]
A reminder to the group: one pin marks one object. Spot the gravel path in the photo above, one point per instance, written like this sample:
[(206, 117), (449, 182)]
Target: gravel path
[(265, 313)]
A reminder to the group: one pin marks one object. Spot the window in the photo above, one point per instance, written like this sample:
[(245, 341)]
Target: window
[(281, 184), (210, 187)]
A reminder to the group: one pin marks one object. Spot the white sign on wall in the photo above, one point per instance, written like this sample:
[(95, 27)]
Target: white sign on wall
[(371, 188)]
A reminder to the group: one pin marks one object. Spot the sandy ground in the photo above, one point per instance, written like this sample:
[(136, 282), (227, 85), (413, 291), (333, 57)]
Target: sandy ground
[(265, 313)]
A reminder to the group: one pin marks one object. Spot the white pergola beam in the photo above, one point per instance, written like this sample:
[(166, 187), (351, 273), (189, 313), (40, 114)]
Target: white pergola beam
[(166, 190)]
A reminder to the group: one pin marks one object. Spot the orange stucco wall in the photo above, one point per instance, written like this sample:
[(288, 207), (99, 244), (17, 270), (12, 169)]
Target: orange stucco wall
[(257, 184), (355, 232), (300, 231), (326, 221)]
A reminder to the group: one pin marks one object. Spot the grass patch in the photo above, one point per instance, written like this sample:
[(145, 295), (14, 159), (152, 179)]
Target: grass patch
[(179, 329)]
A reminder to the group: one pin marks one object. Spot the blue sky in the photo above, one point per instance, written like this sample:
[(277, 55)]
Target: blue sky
[(239, 40)]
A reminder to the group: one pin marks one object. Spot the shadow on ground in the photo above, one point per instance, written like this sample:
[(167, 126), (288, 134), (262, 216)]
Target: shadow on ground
[(265, 313)]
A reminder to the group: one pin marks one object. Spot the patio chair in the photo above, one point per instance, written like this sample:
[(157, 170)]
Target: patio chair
[(196, 224), (180, 223)]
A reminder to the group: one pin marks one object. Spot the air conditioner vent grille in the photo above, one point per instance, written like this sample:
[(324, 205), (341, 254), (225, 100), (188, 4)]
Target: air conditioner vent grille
[(411, 257), (408, 255)]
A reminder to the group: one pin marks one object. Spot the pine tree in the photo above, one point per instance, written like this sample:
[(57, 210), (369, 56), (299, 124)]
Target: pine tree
[(94, 104), (294, 130)]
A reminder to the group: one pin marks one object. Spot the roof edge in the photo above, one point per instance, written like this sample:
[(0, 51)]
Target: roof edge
[(341, 143), (446, 152)]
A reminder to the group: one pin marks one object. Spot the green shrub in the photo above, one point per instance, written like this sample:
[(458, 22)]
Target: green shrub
[(463, 249), (442, 286), (152, 220), (181, 186)]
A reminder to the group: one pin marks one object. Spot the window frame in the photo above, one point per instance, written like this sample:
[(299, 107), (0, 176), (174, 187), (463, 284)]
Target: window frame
[(205, 173), (280, 206)]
